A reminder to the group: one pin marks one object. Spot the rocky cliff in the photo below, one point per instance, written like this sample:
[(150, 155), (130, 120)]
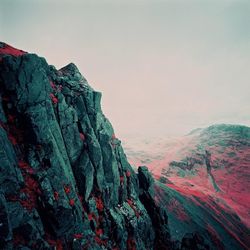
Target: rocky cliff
[(65, 182)]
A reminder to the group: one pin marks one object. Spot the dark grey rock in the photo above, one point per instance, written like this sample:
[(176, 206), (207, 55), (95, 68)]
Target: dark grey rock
[(65, 181)]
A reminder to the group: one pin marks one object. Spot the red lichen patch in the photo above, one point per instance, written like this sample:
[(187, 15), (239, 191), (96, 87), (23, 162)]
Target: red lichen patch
[(99, 204), (53, 98), (12, 139), (28, 196), (8, 50), (90, 216), (56, 195), (99, 241), (78, 236), (25, 166), (31, 184), (131, 245), (57, 88), (99, 232), (130, 202), (66, 189), (82, 137), (71, 202), (121, 179), (52, 84), (31, 189), (128, 173)]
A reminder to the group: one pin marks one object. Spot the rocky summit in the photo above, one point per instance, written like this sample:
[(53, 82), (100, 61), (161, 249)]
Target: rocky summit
[(65, 182)]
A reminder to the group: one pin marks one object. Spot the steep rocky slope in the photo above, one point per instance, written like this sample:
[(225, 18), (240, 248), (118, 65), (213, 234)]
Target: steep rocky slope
[(65, 181), (207, 181)]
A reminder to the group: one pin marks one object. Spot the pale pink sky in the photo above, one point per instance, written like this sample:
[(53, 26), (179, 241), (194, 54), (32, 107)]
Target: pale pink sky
[(164, 67)]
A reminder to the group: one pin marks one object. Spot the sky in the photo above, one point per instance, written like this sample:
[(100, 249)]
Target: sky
[(163, 67)]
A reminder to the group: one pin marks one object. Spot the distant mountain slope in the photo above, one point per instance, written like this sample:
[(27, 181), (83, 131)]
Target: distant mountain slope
[(210, 167)]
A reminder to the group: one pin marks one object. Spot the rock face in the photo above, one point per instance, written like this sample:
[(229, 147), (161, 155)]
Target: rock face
[(65, 181)]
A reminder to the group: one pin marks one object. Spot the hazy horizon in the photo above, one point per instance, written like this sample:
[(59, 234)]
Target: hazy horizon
[(163, 67)]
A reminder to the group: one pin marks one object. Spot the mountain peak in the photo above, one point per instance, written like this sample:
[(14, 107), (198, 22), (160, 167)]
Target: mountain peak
[(6, 49)]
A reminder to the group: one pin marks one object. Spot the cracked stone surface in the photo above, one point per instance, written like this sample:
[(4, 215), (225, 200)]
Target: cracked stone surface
[(65, 181)]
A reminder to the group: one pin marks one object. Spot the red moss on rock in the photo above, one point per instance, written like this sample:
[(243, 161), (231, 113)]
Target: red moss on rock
[(92, 216), (128, 173), (130, 202), (121, 179), (12, 139), (99, 241), (53, 98), (82, 137), (56, 195), (32, 191), (99, 231), (66, 189), (52, 84), (99, 204), (25, 167), (9, 50), (78, 236), (71, 202), (28, 195)]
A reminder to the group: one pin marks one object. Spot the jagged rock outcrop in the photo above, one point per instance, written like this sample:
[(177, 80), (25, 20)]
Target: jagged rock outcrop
[(65, 181)]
